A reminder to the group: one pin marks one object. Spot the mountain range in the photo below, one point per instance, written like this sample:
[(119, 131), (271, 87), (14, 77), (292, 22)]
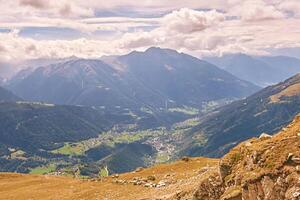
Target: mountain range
[(259, 70), (122, 112), (149, 79)]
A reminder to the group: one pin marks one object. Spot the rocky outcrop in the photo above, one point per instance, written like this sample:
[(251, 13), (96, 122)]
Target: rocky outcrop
[(265, 168)]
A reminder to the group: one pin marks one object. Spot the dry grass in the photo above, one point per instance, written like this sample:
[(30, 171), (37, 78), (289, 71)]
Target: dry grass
[(185, 177), (271, 152), (290, 91)]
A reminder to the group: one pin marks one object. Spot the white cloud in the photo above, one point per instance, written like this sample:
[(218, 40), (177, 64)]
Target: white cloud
[(57, 8), (256, 10), (187, 21), (292, 6), (250, 26)]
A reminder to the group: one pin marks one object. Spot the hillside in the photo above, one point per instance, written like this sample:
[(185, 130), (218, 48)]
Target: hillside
[(155, 79), (6, 95), (260, 168), (33, 126), (260, 70), (266, 111), (175, 180), (37, 136), (42, 138)]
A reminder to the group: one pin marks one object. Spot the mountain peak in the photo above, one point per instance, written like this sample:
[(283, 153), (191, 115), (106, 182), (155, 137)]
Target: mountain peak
[(161, 50)]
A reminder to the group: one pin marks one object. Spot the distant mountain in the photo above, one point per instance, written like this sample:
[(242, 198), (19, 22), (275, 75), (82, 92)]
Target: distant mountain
[(262, 71), (266, 111), (10, 69), (6, 95), (151, 79)]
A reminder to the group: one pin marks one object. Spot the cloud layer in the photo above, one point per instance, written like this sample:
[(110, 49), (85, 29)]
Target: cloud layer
[(101, 28)]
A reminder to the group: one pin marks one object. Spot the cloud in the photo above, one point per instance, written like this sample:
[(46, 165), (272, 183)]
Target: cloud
[(256, 10), (232, 26), (39, 4), (62, 8), (292, 6), (137, 40), (187, 21), (2, 48)]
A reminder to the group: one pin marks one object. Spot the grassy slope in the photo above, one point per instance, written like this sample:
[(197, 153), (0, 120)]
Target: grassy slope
[(17, 186)]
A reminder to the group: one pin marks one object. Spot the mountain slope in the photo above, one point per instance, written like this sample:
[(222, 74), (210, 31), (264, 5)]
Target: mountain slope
[(6, 95), (35, 126), (261, 168), (139, 79), (183, 78), (265, 111), (262, 71), (179, 178)]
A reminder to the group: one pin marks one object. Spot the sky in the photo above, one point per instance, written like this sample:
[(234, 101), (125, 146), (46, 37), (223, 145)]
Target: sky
[(32, 29)]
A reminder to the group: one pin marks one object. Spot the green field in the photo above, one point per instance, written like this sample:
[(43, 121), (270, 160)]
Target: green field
[(43, 169), (70, 149)]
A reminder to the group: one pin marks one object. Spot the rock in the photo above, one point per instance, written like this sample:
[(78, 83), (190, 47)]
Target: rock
[(167, 175), (265, 136), (296, 194), (149, 185), (139, 169), (210, 188), (185, 159), (115, 176), (248, 144), (151, 178), (289, 157), (203, 170), (119, 181), (254, 157), (161, 184), (296, 160), (224, 169)]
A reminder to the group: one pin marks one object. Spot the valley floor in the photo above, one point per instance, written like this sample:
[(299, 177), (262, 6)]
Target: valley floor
[(164, 181)]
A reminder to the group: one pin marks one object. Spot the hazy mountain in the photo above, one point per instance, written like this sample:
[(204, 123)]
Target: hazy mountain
[(139, 79), (266, 111), (6, 95), (261, 71)]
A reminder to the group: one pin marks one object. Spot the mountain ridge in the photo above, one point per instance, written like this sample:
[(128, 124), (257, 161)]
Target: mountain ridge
[(135, 80), (260, 70), (227, 126)]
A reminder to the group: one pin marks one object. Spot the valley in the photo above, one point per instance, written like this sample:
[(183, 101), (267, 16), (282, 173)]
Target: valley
[(147, 123), (257, 168), (150, 100), (158, 145)]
